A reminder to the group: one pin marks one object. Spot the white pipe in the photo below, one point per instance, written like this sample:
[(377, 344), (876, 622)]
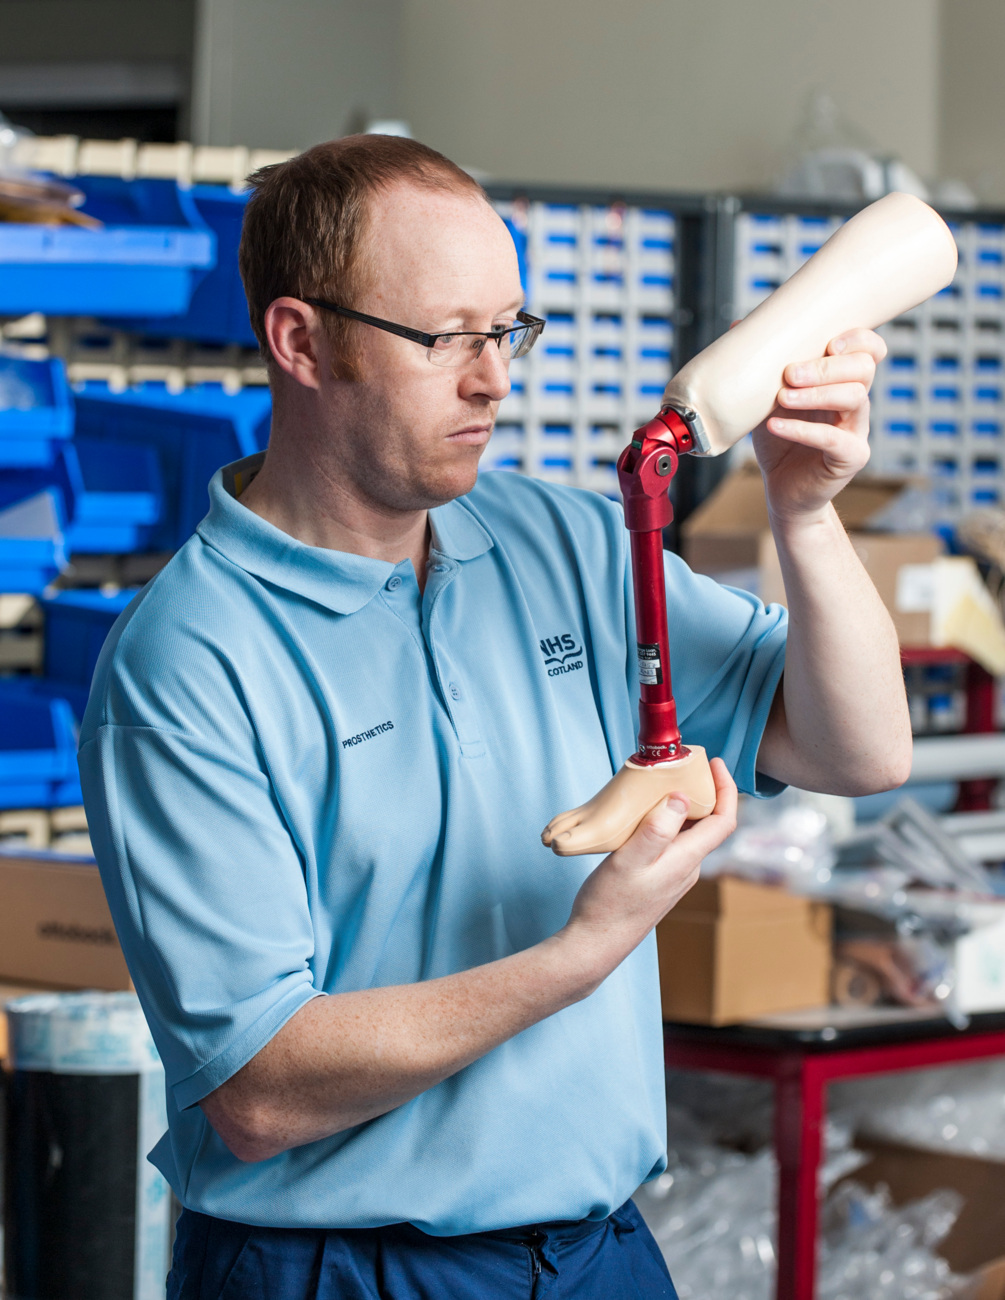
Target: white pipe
[(974, 823), (957, 758)]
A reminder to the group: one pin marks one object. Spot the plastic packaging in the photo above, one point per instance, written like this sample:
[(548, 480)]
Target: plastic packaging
[(959, 1108), (713, 1211)]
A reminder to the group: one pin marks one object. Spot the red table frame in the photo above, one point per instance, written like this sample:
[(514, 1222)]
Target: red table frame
[(801, 1074)]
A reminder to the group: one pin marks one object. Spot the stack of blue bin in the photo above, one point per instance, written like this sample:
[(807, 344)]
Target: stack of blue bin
[(38, 750), (192, 433), (102, 472)]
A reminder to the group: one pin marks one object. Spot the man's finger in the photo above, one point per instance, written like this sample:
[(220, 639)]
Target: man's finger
[(841, 445), (703, 836), (825, 397), (660, 826), (850, 366), (860, 340)]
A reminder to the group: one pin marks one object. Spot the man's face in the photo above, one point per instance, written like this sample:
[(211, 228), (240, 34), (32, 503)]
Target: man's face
[(409, 433)]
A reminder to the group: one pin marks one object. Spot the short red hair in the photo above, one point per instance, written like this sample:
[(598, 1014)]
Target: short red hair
[(306, 218)]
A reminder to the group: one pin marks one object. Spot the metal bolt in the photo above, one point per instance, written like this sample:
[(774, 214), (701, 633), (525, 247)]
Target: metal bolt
[(663, 466)]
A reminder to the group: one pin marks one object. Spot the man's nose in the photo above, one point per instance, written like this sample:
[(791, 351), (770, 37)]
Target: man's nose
[(488, 373)]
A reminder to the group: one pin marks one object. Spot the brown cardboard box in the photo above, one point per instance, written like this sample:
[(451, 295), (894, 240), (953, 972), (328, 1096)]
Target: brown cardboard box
[(730, 531), (977, 1237), (733, 950), (988, 1283), (882, 555), (55, 926)]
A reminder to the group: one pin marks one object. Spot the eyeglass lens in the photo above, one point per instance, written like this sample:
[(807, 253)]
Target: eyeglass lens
[(457, 349)]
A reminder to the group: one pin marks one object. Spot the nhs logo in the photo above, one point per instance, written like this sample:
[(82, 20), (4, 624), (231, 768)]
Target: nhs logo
[(561, 653)]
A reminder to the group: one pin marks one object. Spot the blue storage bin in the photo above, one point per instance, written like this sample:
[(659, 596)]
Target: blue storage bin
[(193, 432), (36, 411), (32, 550), (111, 493), (218, 312), (146, 264), (38, 749), (46, 689), (76, 625), (115, 495)]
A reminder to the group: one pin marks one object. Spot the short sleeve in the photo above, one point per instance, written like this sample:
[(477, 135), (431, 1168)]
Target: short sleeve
[(727, 655), (208, 895)]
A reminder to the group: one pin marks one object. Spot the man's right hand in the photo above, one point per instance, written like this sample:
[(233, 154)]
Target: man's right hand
[(635, 887), (346, 1058)]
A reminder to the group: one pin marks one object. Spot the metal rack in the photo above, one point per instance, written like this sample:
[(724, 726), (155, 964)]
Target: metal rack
[(625, 281)]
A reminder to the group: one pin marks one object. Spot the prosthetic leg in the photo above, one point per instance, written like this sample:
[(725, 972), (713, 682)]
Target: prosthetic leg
[(887, 259)]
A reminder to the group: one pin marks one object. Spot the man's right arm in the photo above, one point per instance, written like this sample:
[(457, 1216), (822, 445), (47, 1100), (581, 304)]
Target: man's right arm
[(346, 1058)]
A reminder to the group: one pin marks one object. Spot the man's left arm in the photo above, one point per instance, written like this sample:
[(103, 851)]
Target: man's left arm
[(839, 721)]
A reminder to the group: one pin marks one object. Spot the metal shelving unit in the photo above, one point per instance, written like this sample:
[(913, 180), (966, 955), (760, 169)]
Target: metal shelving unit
[(626, 284)]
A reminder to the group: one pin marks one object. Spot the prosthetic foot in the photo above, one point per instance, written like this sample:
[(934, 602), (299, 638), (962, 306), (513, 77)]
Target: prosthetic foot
[(612, 815)]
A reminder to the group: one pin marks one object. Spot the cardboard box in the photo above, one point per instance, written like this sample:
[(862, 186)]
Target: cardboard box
[(733, 950), (977, 1237), (725, 531), (884, 557), (55, 926), (730, 530), (987, 1284)]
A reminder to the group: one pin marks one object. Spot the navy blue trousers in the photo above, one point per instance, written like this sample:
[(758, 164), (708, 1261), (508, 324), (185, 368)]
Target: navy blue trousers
[(613, 1259)]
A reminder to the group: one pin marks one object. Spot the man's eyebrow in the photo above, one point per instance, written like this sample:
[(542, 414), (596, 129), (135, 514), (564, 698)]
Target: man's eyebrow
[(515, 305)]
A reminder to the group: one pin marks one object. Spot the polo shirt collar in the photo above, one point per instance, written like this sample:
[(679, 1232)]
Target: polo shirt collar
[(336, 580)]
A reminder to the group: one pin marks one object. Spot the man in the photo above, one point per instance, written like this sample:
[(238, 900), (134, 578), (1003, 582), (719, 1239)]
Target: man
[(408, 1051)]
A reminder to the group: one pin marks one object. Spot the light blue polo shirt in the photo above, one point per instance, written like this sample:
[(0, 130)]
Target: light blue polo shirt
[(302, 776)]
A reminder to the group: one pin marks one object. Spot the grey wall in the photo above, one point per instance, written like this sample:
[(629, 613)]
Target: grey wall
[(687, 94), (972, 144), (278, 74)]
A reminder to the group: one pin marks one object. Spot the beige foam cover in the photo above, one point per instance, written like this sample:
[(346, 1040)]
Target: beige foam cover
[(888, 258)]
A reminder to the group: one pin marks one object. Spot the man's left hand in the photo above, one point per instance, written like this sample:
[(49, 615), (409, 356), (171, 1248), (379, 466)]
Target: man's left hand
[(816, 438)]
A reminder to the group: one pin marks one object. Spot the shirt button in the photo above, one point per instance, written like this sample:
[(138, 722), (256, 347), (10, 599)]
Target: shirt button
[(393, 583), (440, 568), (455, 691)]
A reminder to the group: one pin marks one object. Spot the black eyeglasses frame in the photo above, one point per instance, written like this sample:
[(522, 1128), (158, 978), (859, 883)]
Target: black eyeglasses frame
[(429, 340)]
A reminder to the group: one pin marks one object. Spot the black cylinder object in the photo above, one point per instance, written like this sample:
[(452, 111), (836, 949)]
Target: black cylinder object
[(85, 1215)]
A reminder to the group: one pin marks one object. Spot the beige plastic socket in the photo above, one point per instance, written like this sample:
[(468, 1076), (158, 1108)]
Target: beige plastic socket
[(888, 258), (612, 816)]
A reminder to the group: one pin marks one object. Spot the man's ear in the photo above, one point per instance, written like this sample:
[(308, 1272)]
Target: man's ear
[(294, 335)]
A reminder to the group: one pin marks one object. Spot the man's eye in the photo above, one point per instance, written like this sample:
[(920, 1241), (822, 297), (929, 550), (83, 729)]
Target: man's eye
[(445, 341)]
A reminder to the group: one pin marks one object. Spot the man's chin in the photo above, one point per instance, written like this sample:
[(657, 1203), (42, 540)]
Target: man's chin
[(439, 487)]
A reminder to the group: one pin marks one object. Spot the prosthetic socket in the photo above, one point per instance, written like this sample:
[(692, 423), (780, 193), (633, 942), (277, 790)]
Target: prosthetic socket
[(887, 259)]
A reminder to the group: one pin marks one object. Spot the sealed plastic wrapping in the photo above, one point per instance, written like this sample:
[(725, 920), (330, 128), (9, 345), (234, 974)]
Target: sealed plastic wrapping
[(903, 892), (713, 1211)]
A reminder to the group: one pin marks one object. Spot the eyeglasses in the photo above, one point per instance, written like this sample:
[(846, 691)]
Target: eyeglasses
[(455, 349)]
